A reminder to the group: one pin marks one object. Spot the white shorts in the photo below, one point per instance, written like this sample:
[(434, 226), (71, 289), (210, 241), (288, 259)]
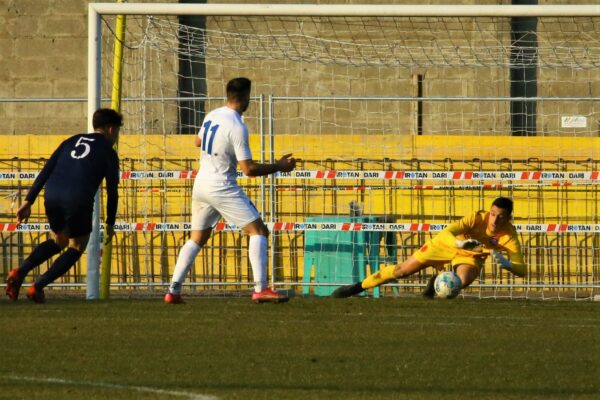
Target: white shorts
[(211, 202)]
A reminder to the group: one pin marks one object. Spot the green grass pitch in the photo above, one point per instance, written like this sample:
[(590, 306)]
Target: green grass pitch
[(309, 348)]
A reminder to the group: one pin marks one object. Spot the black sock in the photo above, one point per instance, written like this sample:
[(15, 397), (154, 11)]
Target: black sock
[(430, 287), (58, 268), (41, 253), (357, 288)]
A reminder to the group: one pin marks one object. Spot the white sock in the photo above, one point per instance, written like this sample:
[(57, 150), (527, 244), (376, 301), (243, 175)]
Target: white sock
[(187, 254), (257, 252)]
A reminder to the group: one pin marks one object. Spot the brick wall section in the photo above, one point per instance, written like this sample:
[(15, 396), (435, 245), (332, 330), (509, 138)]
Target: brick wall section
[(43, 49), (43, 54)]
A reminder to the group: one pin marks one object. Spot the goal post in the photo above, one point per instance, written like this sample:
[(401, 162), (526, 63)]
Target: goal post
[(404, 117), (106, 258)]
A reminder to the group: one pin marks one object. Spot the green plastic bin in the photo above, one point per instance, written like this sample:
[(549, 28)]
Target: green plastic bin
[(342, 257)]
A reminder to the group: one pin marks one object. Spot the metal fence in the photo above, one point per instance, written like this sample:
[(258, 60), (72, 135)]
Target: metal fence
[(562, 262)]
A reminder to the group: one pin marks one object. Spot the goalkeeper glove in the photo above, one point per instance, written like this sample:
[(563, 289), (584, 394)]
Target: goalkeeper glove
[(501, 260), (468, 244)]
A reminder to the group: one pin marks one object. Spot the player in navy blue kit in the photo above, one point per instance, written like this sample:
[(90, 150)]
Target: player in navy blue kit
[(71, 178)]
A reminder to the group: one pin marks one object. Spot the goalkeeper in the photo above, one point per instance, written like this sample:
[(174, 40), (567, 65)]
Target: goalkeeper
[(464, 244)]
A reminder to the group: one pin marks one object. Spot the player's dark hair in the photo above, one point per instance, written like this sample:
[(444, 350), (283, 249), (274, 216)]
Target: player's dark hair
[(504, 203), (237, 88), (105, 117)]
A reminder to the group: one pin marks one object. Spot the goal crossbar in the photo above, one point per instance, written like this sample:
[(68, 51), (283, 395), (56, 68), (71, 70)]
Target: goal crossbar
[(345, 10)]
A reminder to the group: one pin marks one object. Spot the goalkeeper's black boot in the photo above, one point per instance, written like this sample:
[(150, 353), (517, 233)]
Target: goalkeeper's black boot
[(347, 291), (429, 291)]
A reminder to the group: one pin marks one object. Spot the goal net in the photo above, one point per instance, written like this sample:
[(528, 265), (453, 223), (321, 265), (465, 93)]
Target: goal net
[(402, 124)]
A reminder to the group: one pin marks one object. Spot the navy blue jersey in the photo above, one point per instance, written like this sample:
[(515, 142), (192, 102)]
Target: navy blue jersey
[(76, 169)]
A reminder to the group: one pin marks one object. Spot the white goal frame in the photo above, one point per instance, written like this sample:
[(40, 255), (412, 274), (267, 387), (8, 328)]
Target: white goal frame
[(96, 10)]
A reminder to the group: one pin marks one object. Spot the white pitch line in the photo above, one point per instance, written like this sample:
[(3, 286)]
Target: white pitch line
[(104, 385)]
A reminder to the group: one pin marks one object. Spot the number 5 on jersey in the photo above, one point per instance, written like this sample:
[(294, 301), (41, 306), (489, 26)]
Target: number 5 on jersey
[(83, 147), (208, 133)]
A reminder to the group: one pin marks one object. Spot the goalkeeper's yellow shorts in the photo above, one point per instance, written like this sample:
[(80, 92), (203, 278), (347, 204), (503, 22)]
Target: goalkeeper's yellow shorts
[(438, 254)]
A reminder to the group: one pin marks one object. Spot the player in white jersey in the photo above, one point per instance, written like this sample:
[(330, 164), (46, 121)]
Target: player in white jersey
[(224, 144)]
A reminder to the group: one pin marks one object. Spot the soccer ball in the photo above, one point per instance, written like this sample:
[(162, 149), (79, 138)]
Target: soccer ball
[(447, 285)]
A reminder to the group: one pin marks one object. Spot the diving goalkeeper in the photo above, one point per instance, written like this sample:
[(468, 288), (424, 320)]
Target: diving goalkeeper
[(464, 245)]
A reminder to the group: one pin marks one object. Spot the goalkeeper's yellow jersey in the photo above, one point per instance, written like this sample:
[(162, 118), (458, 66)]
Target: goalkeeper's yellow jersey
[(475, 227)]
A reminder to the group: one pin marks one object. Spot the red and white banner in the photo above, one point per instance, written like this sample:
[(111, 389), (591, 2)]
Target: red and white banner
[(573, 176), (313, 226)]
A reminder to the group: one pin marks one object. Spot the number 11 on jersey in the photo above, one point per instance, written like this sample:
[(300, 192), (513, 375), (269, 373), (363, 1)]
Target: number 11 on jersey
[(210, 133)]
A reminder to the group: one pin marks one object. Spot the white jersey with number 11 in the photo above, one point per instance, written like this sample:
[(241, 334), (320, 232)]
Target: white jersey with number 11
[(224, 137)]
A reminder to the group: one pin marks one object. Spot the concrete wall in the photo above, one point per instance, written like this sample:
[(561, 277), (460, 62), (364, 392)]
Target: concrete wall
[(43, 54), (43, 49)]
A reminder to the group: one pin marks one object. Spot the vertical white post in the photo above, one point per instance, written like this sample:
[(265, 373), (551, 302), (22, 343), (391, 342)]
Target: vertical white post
[(272, 188), (94, 101), (263, 180)]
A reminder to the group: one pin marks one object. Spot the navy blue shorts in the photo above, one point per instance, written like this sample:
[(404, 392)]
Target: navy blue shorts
[(73, 220)]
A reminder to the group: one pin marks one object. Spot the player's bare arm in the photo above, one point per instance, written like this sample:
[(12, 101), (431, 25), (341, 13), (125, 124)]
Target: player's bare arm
[(24, 212), (197, 141), (250, 168)]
